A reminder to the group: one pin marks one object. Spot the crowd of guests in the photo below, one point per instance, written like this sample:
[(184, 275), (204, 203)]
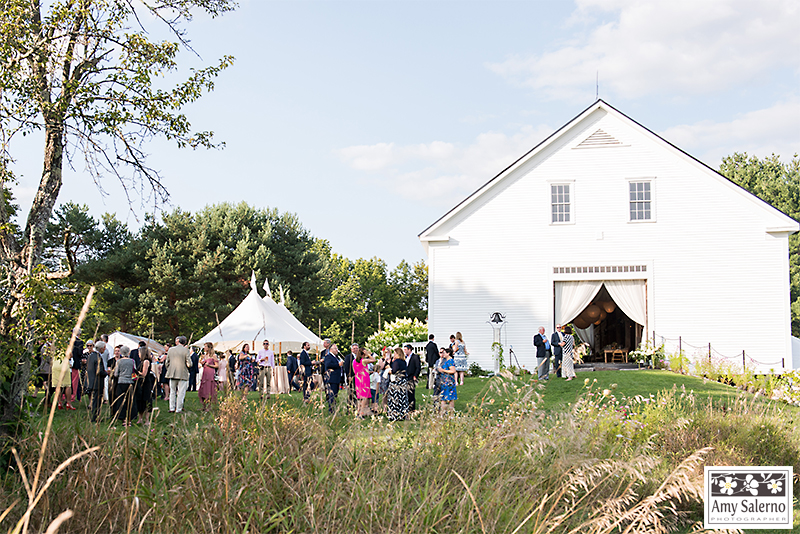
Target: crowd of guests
[(130, 381)]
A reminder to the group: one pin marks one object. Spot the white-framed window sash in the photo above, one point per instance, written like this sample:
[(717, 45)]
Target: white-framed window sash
[(562, 202), (641, 195)]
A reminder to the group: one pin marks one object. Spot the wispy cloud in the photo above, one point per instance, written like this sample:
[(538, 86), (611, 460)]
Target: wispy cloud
[(442, 173), (760, 133), (662, 47)]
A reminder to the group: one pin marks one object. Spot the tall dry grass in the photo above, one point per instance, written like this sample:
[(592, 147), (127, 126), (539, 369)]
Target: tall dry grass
[(605, 466)]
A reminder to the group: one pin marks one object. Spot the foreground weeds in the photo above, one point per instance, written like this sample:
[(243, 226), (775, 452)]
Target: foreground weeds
[(608, 464)]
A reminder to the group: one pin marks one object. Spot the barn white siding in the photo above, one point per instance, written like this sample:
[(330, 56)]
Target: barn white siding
[(716, 257)]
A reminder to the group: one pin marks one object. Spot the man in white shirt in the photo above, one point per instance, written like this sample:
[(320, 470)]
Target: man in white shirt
[(266, 361)]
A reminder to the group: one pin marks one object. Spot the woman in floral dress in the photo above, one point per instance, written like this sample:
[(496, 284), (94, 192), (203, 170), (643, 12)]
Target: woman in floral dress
[(567, 367), (248, 373), (447, 371), (460, 359)]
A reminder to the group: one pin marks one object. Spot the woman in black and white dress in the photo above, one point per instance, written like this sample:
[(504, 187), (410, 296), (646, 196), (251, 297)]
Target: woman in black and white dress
[(397, 393), (567, 368)]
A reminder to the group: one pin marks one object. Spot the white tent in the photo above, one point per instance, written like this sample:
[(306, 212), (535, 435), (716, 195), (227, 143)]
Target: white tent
[(255, 320), (131, 341), (310, 336)]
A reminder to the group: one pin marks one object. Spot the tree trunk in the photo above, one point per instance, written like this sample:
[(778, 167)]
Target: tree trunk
[(22, 266)]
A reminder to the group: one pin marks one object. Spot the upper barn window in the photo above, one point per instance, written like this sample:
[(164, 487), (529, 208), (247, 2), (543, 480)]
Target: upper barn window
[(640, 200), (560, 202)]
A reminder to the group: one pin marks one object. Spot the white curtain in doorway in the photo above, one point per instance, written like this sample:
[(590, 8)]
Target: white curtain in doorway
[(586, 335), (631, 297), (573, 297)]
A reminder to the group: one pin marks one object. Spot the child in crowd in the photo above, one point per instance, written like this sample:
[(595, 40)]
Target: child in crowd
[(374, 383)]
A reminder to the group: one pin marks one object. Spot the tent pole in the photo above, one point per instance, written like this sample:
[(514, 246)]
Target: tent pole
[(353, 332)]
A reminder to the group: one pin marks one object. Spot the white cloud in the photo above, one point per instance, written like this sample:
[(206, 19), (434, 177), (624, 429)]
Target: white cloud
[(438, 172), (759, 133), (658, 46)]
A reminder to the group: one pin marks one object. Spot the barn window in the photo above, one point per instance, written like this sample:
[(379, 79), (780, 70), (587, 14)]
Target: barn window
[(560, 202), (640, 201)]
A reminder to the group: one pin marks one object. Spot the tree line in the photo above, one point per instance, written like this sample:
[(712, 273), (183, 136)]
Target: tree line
[(183, 271), (778, 184)]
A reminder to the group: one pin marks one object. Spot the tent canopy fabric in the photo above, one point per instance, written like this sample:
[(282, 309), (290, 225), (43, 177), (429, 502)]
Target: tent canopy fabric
[(131, 341), (255, 320), (310, 336)]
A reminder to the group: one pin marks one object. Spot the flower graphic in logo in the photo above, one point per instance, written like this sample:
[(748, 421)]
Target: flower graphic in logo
[(751, 485), (727, 485), (774, 486)]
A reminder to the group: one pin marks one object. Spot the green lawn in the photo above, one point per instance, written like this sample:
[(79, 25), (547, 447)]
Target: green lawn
[(492, 394)]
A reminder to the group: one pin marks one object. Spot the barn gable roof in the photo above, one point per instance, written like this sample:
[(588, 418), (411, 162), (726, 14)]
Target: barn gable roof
[(781, 222)]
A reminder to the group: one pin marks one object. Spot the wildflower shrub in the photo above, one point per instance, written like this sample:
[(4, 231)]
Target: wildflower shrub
[(607, 461), (476, 370)]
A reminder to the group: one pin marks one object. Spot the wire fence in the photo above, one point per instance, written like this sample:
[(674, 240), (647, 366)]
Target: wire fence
[(680, 344)]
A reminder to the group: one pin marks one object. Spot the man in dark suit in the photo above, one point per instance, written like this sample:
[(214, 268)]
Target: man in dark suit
[(557, 342), (431, 355), (135, 354), (542, 345), (291, 369), (193, 370), (332, 376), (320, 361), (95, 378), (307, 370), (413, 369)]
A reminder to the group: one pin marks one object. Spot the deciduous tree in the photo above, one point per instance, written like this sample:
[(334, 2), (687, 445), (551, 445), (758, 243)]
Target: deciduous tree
[(85, 73)]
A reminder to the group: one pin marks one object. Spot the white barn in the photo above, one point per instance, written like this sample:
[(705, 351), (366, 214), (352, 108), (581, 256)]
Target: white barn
[(603, 211)]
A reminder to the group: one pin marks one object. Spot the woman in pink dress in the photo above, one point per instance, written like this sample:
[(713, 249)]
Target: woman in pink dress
[(208, 384), (361, 372)]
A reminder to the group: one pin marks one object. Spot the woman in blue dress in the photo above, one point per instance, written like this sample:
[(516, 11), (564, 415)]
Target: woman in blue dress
[(248, 373), (447, 370)]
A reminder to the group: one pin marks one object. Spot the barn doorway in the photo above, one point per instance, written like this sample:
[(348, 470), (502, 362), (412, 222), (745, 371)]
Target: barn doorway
[(610, 331), (600, 320)]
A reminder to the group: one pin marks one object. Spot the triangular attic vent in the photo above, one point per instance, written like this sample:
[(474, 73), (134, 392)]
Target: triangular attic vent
[(599, 139)]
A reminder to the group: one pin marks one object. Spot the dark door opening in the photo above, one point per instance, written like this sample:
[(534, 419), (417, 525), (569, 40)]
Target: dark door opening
[(605, 326)]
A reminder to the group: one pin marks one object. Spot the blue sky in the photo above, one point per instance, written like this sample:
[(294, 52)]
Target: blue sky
[(371, 119)]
